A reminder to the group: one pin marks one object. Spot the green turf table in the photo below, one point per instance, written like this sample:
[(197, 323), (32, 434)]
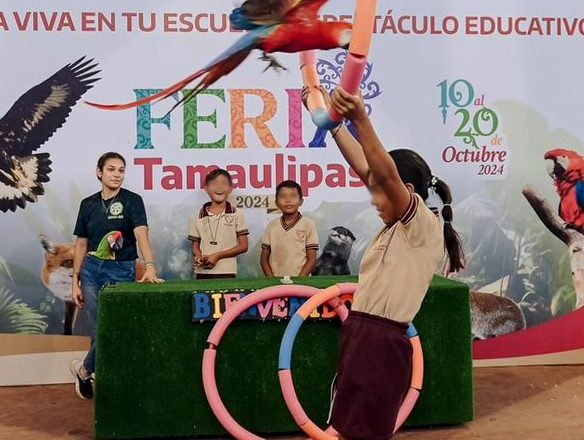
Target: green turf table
[(149, 357)]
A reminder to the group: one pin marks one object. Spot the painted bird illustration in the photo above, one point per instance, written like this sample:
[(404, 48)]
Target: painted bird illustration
[(29, 123), (334, 259), (272, 26), (109, 244), (566, 167)]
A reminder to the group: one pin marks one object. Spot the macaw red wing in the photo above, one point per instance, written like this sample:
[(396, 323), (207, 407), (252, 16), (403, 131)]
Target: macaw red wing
[(305, 10)]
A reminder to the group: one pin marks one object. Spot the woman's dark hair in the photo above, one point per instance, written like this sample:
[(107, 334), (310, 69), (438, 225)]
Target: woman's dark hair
[(107, 156), (215, 174), (289, 184), (413, 169)]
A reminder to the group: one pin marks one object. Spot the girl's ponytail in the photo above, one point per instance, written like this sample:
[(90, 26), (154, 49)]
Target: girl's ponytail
[(452, 240)]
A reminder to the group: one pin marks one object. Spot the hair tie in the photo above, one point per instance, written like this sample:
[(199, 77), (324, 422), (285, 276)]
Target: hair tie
[(334, 131), (446, 222), (433, 181)]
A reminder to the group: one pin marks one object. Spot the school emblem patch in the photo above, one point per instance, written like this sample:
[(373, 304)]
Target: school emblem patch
[(116, 209)]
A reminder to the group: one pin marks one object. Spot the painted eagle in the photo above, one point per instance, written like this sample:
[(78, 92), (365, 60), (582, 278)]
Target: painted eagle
[(29, 123)]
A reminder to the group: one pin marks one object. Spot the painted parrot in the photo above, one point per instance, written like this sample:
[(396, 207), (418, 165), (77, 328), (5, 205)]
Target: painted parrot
[(109, 244), (272, 26), (31, 122), (566, 167)]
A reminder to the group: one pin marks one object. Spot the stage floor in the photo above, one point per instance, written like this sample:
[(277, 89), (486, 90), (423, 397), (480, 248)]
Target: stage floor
[(511, 403)]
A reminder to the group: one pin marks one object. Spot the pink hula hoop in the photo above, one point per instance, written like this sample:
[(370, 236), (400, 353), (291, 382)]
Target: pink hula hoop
[(287, 382), (214, 339)]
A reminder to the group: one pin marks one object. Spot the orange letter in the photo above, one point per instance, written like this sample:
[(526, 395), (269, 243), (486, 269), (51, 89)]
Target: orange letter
[(238, 118)]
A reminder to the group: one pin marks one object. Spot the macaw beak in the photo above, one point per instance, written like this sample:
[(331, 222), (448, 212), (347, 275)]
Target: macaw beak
[(117, 241), (550, 165), (556, 168)]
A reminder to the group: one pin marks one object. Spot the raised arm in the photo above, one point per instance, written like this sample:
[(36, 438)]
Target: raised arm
[(352, 151), (382, 167), (348, 145)]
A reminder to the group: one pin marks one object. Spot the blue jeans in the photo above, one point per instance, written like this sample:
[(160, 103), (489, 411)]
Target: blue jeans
[(95, 275)]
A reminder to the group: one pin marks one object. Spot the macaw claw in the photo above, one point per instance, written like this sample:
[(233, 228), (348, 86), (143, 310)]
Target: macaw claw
[(272, 63)]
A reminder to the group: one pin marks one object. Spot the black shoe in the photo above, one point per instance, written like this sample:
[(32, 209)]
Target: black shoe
[(83, 387)]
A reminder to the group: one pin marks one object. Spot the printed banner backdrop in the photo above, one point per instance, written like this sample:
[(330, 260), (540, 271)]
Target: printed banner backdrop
[(483, 90)]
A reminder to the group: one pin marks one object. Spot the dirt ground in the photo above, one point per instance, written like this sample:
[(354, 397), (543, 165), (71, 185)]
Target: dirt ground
[(511, 403)]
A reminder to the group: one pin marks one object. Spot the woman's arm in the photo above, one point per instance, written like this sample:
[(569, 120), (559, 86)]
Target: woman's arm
[(78, 257), (143, 240), (382, 166)]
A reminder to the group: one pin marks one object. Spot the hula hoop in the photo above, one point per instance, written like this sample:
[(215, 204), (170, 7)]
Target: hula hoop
[(287, 382), (355, 64), (214, 339)]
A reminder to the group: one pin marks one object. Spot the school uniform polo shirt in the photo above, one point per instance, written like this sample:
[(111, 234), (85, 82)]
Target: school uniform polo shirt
[(398, 266), (288, 244), (217, 233)]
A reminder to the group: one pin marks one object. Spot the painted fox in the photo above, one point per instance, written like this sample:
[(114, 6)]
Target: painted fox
[(57, 276)]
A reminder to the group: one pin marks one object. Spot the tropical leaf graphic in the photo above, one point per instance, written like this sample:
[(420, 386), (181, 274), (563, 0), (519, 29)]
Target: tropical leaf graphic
[(564, 301), (17, 317)]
